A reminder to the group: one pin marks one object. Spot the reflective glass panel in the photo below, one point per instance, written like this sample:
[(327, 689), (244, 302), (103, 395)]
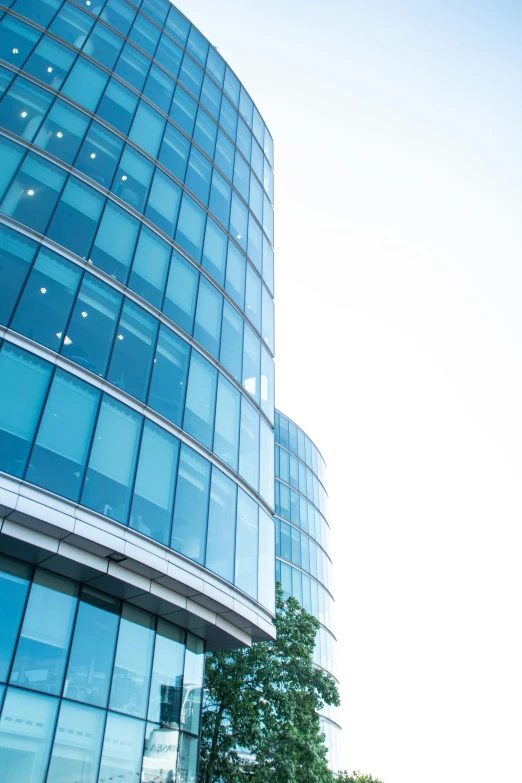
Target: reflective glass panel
[(253, 298), (167, 675), (62, 132), (246, 544), (191, 506), (211, 97), (119, 15), (14, 586), (50, 61), (35, 190), (169, 55), (169, 375), (118, 106), (191, 227), (133, 66), (224, 157), (266, 586), (42, 12), (16, 256), (24, 749), (235, 277), (99, 154), (193, 684), (220, 198), (188, 759), (17, 40), (174, 152), (122, 749), (221, 535), (201, 399), (159, 88), (215, 251), (72, 25), (103, 45), (132, 665), (205, 133), (85, 84), (77, 744), (249, 444), (76, 217), (251, 363), (23, 108), (207, 328), (266, 466), (150, 267), (133, 178), (181, 293), (226, 435), (231, 353), (133, 350), (183, 110), (147, 128), (115, 242), (163, 202), (145, 34)]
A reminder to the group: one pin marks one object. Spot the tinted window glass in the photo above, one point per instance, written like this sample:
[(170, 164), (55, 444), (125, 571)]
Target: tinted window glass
[(132, 665), (50, 61), (133, 350), (23, 754), (246, 544), (207, 328), (169, 375), (99, 154), (191, 506), (221, 525), (16, 256), (231, 353), (201, 399), (35, 190), (77, 744), (167, 671), (180, 297), (63, 131), (85, 84), (150, 267), (226, 436), (14, 586), (76, 217), (23, 108)]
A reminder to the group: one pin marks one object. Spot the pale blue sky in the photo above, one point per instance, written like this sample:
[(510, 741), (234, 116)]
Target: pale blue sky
[(397, 129)]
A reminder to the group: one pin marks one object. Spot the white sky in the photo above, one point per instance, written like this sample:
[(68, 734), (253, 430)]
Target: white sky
[(397, 128)]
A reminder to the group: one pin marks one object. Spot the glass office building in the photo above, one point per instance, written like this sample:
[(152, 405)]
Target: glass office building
[(137, 385), (303, 564)]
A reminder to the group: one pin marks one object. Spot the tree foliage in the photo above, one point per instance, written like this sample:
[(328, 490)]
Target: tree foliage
[(260, 716), (356, 777)]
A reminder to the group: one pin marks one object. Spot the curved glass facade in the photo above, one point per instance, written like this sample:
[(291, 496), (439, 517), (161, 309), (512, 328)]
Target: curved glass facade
[(136, 265), (303, 564)]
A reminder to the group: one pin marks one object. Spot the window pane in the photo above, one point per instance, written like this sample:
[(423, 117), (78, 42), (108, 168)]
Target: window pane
[(242, 176), (23, 108), (115, 242), (253, 298), (167, 672), (24, 36), (110, 473), (103, 45), (201, 400), (122, 749), (92, 326), (35, 190), (77, 746), (63, 131), (255, 243), (267, 384), (193, 684), (191, 76), (207, 329), (220, 198), (23, 753), (119, 15), (268, 264), (188, 759), (232, 86), (180, 297), (118, 105), (85, 84), (239, 221), (169, 375), (133, 350), (130, 684), (257, 159), (266, 477), (60, 452), (221, 536), (76, 217), (211, 97), (72, 25), (21, 401), (198, 176), (191, 227), (183, 111), (216, 66), (178, 26), (228, 118), (231, 353), (16, 256), (215, 251), (159, 88), (151, 511), (169, 55), (205, 133), (268, 319), (191, 506), (198, 47), (133, 67), (132, 180), (42, 13), (161, 752), (163, 203), (251, 363), (50, 61), (41, 655), (226, 436), (224, 157), (235, 278), (145, 35), (147, 129), (244, 139), (150, 267), (99, 154), (246, 544), (249, 444), (174, 152), (14, 586)]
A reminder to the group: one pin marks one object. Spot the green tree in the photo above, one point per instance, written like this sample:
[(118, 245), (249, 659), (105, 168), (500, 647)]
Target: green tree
[(356, 777), (260, 716)]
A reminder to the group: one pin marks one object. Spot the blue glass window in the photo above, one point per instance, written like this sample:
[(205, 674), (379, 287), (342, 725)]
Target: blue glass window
[(76, 217), (220, 198), (191, 506), (145, 34), (246, 107), (255, 243), (6, 77), (21, 401), (268, 319), (156, 9), (150, 266), (266, 582), (201, 400), (41, 655), (205, 133), (167, 671), (46, 303), (258, 127), (192, 689), (215, 251), (151, 511), (16, 256), (11, 155), (132, 665), (163, 203), (183, 111), (180, 297), (133, 66), (108, 485), (232, 86), (85, 84), (103, 45), (267, 384), (159, 88), (211, 97), (268, 219), (257, 161), (224, 157), (92, 326), (249, 444), (62, 132), (239, 221), (207, 328), (244, 139), (17, 40), (191, 227), (228, 118), (268, 265), (235, 277), (231, 353), (118, 105), (251, 363), (132, 180), (268, 180), (247, 542), (216, 66), (51, 61), (72, 25), (253, 298), (174, 152), (198, 175), (177, 26), (268, 146), (24, 754), (241, 176), (266, 463), (191, 76), (169, 55), (23, 108), (14, 586), (125, 734), (133, 350), (42, 12), (115, 242), (169, 375), (62, 444), (92, 651), (197, 46), (221, 525), (34, 192), (119, 15), (99, 154), (147, 129), (77, 744), (256, 197), (226, 434)]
